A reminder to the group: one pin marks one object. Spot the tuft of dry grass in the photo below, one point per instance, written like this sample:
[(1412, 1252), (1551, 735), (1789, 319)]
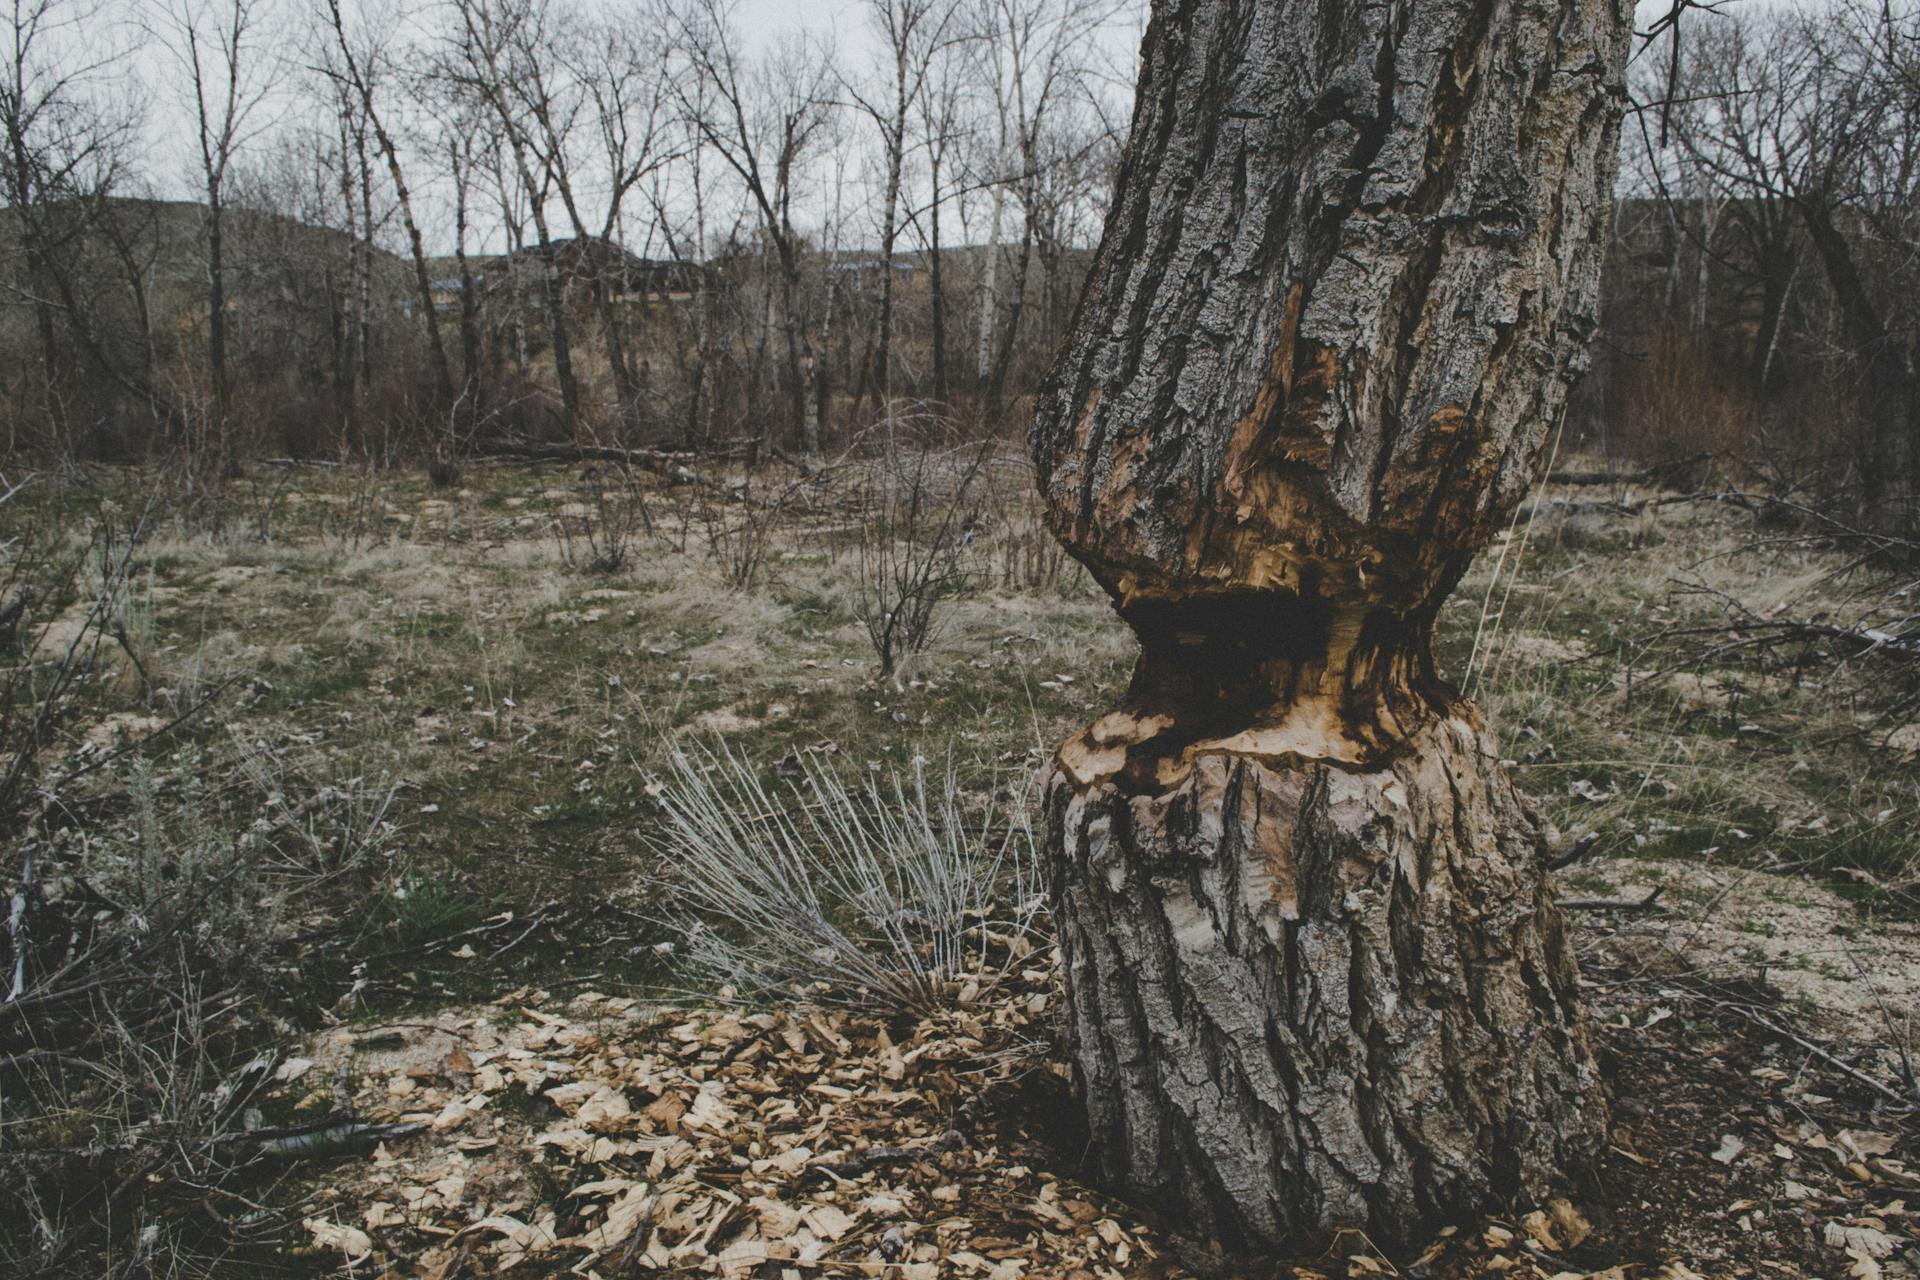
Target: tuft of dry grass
[(886, 894)]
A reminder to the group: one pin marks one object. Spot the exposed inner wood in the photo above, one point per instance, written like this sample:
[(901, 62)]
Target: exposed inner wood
[(1268, 674)]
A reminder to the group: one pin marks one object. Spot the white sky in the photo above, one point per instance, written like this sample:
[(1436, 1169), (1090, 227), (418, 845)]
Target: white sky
[(167, 161)]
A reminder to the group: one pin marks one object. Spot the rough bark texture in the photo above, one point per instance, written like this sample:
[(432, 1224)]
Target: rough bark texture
[(1314, 978), (1306, 996)]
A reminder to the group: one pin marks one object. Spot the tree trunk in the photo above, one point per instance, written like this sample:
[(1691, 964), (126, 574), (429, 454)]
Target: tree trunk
[(1016, 309), (422, 283), (1315, 979), (469, 309), (217, 309), (937, 294), (553, 291), (889, 231), (803, 407), (363, 316), (989, 283), (1889, 392)]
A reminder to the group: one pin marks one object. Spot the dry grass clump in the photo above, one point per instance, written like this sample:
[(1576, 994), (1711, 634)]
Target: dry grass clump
[(892, 894)]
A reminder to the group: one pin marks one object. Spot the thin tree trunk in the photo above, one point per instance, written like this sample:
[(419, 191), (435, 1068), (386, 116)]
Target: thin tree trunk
[(208, 456), (364, 311), (557, 330), (346, 370), (1889, 395), (805, 419), (1016, 309), (889, 232), (469, 301), (937, 299), (1777, 291), (1315, 979), (422, 281), (989, 282)]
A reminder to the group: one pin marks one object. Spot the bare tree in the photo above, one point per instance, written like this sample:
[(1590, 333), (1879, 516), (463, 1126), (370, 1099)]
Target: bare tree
[(500, 47), (914, 34), (361, 61), (762, 120), (617, 73), (219, 48), (1810, 125), (942, 127), (62, 161), (1315, 977), (1035, 55), (459, 135)]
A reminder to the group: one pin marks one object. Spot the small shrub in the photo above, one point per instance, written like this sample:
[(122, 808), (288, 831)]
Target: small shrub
[(601, 540), (740, 526), (922, 510)]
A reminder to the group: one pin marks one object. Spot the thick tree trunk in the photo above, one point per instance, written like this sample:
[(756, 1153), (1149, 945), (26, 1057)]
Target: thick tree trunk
[(1314, 978), (1308, 995)]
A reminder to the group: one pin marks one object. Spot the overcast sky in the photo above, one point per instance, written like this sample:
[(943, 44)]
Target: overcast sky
[(168, 160)]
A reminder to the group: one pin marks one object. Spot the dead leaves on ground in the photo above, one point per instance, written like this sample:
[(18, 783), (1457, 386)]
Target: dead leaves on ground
[(610, 1138), (601, 1138)]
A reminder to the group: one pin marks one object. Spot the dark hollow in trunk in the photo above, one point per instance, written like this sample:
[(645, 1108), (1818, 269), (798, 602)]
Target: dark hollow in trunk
[(1314, 977)]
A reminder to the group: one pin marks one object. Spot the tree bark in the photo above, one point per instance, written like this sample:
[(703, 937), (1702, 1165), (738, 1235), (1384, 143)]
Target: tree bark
[(1314, 976)]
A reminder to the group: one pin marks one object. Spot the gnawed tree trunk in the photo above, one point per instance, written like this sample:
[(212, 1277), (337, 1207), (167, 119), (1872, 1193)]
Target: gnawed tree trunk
[(1314, 978)]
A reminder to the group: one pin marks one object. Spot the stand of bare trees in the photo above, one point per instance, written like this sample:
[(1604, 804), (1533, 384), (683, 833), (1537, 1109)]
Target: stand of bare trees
[(1766, 251), (415, 231)]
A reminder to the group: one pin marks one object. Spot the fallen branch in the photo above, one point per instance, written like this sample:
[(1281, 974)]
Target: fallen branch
[(1646, 475), (1610, 904), (1825, 1055), (326, 1137), (332, 1137), (661, 462), (1579, 849)]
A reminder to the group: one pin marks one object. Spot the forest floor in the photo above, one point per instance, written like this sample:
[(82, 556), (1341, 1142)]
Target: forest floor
[(444, 725)]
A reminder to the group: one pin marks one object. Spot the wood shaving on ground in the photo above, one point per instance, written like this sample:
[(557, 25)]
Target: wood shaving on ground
[(598, 1137)]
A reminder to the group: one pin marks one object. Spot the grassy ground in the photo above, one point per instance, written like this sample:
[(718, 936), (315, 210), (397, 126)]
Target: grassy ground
[(452, 648), (441, 712)]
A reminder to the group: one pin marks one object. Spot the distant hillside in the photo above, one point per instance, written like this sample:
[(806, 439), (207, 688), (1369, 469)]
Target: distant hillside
[(166, 238), (135, 283)]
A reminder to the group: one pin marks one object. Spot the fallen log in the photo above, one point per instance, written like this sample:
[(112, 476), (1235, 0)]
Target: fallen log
[(668, 463), (1611, 904)]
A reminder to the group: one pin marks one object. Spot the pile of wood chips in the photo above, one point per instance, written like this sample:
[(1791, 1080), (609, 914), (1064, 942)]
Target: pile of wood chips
[(597, 1137)]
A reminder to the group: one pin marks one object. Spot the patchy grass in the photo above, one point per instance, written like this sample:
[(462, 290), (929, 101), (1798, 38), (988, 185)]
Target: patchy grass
[(433, 720), (516, 698), (1610, 658)]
